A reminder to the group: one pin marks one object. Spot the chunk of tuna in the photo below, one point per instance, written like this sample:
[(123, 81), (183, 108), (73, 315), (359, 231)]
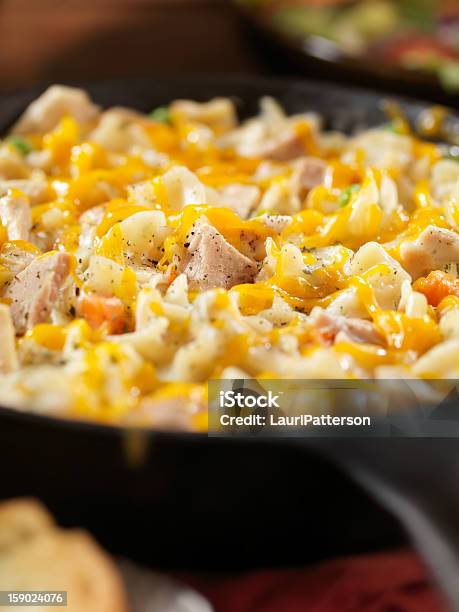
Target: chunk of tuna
[(16, 216), (8, 355), (334, 328), (434, 248), (284, 146), (242, 199), (210, 261), (56, 102), (36, 289), (257, 138), (14, 259), (309, 173)]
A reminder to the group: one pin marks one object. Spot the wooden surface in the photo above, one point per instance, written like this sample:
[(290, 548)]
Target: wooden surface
[(44, 40)]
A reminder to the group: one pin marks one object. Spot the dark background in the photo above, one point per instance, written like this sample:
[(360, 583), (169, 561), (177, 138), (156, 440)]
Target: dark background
[(55, 40)]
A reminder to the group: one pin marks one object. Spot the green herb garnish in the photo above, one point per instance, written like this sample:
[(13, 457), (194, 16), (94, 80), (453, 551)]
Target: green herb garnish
[(347, 194), (392, 126), (21, 145), (161, 115)]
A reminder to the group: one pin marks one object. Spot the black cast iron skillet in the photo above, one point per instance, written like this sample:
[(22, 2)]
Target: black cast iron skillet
[(181, 501)]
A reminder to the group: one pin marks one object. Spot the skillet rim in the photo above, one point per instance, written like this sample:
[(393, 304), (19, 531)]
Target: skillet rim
[(330, 88), (412, 103)]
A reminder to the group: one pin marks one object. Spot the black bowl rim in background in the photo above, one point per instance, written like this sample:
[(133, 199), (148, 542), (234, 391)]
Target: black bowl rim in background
[(296, 55)]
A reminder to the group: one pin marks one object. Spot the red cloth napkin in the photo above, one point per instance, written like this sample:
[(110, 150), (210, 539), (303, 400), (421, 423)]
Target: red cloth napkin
[(387, 582)]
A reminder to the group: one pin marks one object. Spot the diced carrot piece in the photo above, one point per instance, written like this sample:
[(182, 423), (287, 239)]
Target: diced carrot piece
[(171, 274), (436, 286), (99, 310)]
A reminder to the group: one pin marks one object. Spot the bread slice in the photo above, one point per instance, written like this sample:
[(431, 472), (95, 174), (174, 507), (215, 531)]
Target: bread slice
[(20, 520), (36, 555)]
